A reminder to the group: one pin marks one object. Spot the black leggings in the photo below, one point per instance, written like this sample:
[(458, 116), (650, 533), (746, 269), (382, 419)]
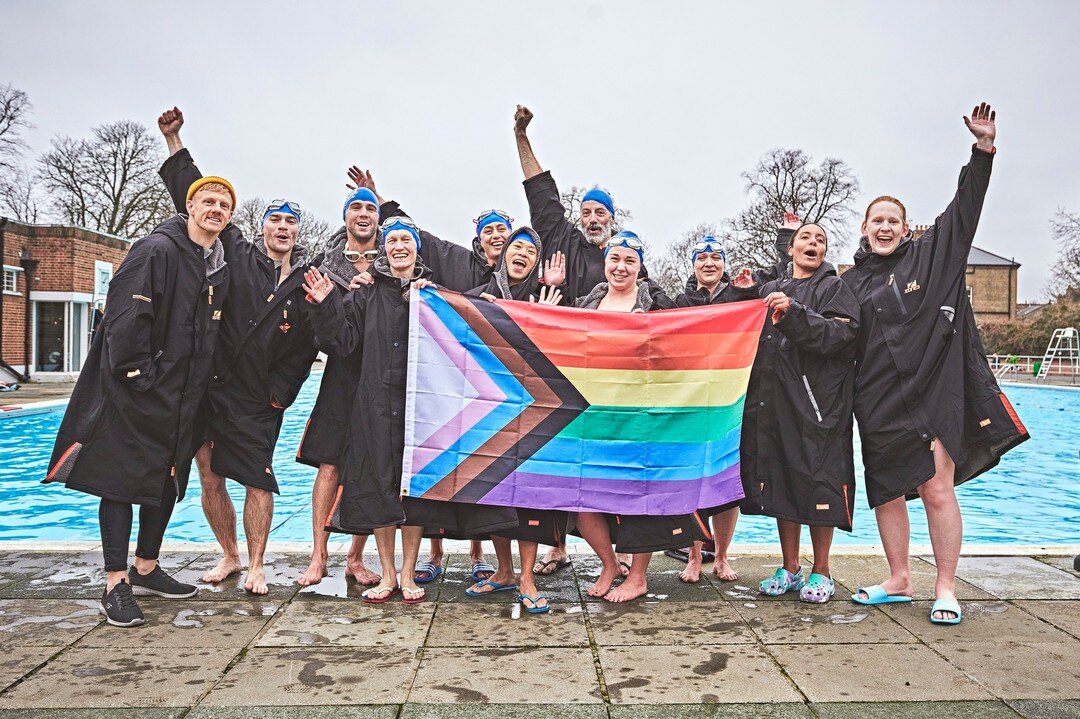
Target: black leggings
[(115, 521)]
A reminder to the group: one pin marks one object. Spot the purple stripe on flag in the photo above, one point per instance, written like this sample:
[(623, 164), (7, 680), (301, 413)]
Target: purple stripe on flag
[(543, 491)]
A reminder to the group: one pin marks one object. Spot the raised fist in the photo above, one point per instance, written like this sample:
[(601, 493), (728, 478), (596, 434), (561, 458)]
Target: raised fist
[(170, 122)]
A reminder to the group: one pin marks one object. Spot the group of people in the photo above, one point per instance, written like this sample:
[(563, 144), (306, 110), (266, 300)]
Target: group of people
[(208, 337)]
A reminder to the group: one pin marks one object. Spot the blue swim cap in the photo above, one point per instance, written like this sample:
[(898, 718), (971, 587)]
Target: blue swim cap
[(708, 243), (360, 194), (493, 216), (398, 223), (522, 234), (627, 239), (598, 195), (282, 207)]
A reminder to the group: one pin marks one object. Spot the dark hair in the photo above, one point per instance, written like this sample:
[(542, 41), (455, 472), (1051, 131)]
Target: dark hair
[(791, 240)]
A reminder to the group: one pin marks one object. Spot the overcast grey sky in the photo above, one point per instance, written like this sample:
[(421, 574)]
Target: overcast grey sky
[(664, 103)]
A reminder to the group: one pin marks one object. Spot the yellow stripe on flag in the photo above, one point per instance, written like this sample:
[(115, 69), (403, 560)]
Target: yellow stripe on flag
[(659, 388)]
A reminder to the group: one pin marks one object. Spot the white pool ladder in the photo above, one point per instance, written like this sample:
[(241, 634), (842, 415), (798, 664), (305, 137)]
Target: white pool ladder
[(1065, 346)]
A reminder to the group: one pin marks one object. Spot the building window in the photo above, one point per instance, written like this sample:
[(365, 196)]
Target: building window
[(11, 279)]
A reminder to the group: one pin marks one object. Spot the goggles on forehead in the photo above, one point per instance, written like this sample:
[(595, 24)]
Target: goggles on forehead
[(399, 220), (505, 217), (634, 243), (709, 246), (355, 255), (282, 204)]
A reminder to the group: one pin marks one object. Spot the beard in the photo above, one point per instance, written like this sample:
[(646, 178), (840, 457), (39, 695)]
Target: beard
[(596, 233)]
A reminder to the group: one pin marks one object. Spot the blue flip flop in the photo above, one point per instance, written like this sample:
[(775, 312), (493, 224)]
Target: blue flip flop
[(877, 595), (431, 571), (946, 605), (481, 567), (534, 609), (495, 587)]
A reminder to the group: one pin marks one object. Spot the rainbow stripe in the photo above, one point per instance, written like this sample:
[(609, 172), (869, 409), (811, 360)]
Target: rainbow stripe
[(557, 408)]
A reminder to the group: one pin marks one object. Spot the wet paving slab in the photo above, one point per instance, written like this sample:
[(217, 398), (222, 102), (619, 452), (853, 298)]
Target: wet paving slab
[(874, 672), (78, 576), (1066, 564), (349, 623), (693, 674), (17, 662), (16, 566), (983, 621), (1018, 578), (317, 676), (916, 710), (852, 572), (508, 625), (666, 623), (837, 622), (47, 622), (1062, 614), (183, 623), (558, 588), (1019, 670), (281, 573), (497, 675), (144, 677), (663, 578)]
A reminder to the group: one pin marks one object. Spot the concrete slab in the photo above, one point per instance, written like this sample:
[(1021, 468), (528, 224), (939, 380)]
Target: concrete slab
[(77, 576), (559, 587), (1046, 708), (860, 571), (1018, 578), (1064, 615), (874, 672), (281, 573), (1015, 670), (17, 662), (658, 623), (916, 710), (664, 584), (711, 711), (346, 623), (508, 625), (693, 675), (385, 711), (185, 623), (983, 621), (504, 711), (506, 676), (113, 713), (316, 676), (837, 622), (46, 622), (1060, 562), (129, 677), (15, 566)]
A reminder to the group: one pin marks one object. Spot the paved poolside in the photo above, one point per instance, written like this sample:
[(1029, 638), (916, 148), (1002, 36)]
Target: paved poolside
[(704, 651)]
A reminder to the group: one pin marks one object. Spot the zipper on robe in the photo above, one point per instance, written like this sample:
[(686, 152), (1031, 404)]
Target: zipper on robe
[(896, 291)]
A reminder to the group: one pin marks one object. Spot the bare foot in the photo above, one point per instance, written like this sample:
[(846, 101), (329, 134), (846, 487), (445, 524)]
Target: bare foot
[(624, 563), (894, 588), (692, 573), (603, 585), (227, 567), (362, 575), (313, 574), (528, 590), (947, 613), (628, 591), (255, 581), (502, 578), (550, 561), (722, 570)]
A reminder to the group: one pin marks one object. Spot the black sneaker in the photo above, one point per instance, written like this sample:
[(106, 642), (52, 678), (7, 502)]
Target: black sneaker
[(119, 606), (159, 584)]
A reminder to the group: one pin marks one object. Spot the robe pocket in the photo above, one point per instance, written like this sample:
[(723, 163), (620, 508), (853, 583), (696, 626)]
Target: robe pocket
[(945, 319)]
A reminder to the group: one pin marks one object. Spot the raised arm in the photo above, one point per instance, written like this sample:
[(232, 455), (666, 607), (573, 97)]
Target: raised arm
[(334, 321), (529, 164), (830, 330)]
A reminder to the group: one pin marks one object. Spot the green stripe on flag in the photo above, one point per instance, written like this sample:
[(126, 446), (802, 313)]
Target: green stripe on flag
[(655, 424)]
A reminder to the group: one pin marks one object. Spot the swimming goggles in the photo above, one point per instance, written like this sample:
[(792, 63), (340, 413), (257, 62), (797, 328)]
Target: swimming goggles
[(355, 255)]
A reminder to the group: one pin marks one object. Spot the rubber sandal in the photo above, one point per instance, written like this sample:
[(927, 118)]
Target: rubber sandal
[(541, 568), (818, 589), (781, 582), (368, 595), (877, 595), (946, 605), (431, 571), (405, 599), (481, 567), (624, 564), (534, 609), (495, 587)]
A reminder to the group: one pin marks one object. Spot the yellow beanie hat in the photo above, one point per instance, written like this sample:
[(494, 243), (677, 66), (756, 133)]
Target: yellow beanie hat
[(208, 180)]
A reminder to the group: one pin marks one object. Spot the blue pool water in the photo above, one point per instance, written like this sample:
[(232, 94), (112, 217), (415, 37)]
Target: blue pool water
[(1032, 497)]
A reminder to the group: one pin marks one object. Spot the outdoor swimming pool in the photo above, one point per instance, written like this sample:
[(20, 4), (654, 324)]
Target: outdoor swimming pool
[(1032, 497)]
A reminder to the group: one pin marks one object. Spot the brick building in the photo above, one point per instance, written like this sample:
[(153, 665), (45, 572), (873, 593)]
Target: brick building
[(68, 270), (991, 283)]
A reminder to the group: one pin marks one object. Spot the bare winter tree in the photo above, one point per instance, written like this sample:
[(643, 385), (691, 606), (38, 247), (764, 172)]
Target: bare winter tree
[(18, 195), (785, 180), (108, 182), (674, 267), (313, 231), (15, 110), (1065, 272), (571, 200)]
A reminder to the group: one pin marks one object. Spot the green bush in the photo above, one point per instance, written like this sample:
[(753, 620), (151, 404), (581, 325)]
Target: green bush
[(1031, 337)]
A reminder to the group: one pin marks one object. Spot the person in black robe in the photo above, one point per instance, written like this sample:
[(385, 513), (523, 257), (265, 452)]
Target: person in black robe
[(930, 412), (262, 361), (374, 319), (126, 436), (796, 451)]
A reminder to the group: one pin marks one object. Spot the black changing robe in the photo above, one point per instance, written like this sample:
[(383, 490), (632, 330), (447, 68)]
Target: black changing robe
[(797, 458), (922, 371), (128, 426)]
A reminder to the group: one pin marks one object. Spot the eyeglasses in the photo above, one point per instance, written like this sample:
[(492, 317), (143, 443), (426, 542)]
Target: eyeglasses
[(505, 217), (709, 246), (355, 255), (391, 221), (279, 204)]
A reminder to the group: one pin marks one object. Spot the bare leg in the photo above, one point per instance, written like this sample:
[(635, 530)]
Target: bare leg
[(476, 554), (527, 580), (354, 563), (556, 554), (410, 548), (594, 529), (945, 524), (258, 513), (692, 573), (895, 531), (723, 531), (504, 574), (636, 583), (221, 515), (821, 538), (624, 563), (323, 493), (790, 534), (435, 554), (384, 542)]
